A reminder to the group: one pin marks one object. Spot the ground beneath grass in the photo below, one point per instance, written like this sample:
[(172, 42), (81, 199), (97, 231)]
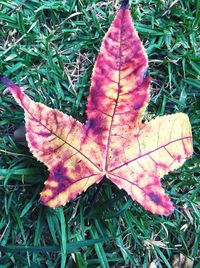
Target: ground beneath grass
[(49, 48)]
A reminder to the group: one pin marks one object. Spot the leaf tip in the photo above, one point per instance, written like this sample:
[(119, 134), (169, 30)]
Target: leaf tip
[(9, 84), (124, 4), (4, 80)]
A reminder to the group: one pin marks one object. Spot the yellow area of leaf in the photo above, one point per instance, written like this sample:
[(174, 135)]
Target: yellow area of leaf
[(159, 146)]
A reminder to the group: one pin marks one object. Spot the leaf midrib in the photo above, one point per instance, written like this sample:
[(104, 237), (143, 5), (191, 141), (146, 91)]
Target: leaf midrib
[(148, 153), (117, 98), (64, 141)]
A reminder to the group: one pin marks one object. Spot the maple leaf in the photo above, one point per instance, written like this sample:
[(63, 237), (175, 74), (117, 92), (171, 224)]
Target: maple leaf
[(114, 142)]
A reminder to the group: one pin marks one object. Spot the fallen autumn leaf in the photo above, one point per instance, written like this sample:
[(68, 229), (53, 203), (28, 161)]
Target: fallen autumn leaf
[(113, 142)]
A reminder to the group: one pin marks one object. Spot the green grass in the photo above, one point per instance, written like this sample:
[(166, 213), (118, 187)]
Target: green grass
[(49, 48)]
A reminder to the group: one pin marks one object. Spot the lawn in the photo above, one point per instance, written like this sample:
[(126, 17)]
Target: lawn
[(49, 49)]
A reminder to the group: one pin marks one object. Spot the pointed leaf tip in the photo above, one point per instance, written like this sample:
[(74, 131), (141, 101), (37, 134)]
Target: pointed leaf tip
[(124, 4), (14, 89), (4, 80)]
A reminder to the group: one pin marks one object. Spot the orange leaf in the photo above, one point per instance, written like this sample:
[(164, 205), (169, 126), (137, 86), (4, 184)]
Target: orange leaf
[(113, 142)]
